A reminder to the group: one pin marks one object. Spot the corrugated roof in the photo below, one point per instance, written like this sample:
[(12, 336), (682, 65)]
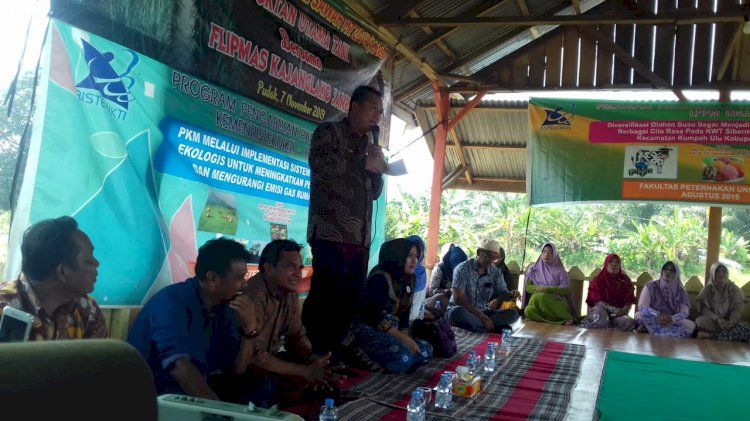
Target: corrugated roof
[(494, 135), (463, 42), (469, 44)]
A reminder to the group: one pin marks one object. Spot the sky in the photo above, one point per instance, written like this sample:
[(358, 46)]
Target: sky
[(15, 21), (13, 24)]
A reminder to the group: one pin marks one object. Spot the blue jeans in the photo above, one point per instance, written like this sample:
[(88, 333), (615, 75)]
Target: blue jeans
[(389, 352), (463, 318)]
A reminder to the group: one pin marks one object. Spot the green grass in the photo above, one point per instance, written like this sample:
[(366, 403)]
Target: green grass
[(220, 219)]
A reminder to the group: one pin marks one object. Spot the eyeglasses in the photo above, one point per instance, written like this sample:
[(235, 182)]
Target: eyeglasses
[(492, 256)]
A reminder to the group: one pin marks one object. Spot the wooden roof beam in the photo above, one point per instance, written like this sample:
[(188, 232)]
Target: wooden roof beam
[(493, 88), (577, 7), (490, 184), (730, 52), (438, 35), (421, 84), (451, 126), (495, 148), (427, 30), (394, 10), (390, 39), (525, 11), (453, 175), (680, 17), (461, 154), (462, 78)]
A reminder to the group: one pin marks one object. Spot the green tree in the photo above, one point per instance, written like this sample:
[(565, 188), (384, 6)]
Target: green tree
[(644, 235), (11, 130), (734, 247)]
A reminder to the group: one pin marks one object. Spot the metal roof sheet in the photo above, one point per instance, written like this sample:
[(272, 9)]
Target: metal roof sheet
[(490, 124)]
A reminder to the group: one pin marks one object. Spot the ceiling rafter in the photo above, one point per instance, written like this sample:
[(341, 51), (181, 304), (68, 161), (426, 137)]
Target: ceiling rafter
[(525, 11), (474, 12), (490, 184), (422, 84), (495, 148), (427, 30), (390, 39), (679, 17), (400, 8)]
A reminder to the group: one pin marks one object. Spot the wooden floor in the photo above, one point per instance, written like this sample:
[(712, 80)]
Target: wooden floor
[(598, 342)]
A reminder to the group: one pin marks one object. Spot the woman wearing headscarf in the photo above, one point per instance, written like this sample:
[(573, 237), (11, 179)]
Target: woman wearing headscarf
[(420, 284), (442, 278), (664, 306), (382, 330), (720, 304), (500, 264), (611, 294), (547, 292)]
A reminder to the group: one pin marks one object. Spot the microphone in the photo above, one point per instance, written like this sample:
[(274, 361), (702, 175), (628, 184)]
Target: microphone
[(375, 131)]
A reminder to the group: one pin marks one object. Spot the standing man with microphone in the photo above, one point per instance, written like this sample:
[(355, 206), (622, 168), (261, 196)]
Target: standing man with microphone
[(347, 166)]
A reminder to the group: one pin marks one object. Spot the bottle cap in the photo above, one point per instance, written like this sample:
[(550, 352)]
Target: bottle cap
[(416, 394), (329, 403)]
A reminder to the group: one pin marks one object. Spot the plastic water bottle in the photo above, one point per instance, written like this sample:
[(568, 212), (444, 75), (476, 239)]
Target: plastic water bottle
[(489, 358), (505, 346), (471, 363), (438, 307), (328, 411), (443, 393), (415, 409)]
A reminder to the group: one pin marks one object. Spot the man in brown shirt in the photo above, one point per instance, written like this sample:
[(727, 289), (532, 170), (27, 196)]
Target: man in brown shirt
[(346, 166), (281, 346), (59, 271)]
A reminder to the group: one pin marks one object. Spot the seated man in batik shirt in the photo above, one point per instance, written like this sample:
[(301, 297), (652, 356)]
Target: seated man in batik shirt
[(282, 353), (58, 272)]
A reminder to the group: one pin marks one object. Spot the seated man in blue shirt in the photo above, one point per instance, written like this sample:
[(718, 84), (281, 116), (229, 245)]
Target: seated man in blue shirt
[(477, 291), (195, 329)]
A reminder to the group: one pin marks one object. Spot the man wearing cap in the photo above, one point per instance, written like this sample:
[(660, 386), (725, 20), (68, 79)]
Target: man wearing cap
[(477, 291)]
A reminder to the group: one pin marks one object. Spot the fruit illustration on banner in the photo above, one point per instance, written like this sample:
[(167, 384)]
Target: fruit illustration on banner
[(723, 169)]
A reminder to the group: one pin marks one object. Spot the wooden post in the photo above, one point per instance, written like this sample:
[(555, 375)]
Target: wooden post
[(442, 105), (576, 288), (714, 238), (714, 220)]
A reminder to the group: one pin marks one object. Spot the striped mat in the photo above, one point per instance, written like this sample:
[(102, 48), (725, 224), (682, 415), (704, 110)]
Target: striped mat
[(534, 383)]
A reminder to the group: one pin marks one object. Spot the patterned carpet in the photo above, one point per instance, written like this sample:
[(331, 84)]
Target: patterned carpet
[(534, 383)]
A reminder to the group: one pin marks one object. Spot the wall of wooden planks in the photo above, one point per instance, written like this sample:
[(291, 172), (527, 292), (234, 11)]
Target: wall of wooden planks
[(684, 56)]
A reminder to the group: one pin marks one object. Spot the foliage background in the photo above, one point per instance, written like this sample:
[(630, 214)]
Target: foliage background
[(644, 235)]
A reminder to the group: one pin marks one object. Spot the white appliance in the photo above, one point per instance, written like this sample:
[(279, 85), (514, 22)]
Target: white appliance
[(188, 408)]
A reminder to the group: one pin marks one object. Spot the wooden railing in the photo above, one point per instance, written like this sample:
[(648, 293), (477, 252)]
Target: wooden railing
[(119, 320)]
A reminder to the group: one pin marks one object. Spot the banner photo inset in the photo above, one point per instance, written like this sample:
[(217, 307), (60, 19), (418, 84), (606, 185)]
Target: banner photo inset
[(592, 151), (153, 163)]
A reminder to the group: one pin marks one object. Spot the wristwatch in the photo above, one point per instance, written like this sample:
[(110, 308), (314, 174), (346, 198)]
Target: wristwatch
[(250, 335)]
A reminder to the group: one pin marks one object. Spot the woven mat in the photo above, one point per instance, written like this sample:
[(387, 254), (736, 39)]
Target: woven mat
[(535, 382)]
